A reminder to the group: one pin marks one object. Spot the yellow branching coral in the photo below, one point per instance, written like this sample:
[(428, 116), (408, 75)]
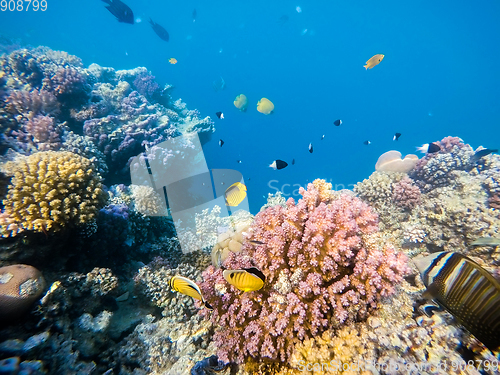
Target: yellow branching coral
[(50, 190)]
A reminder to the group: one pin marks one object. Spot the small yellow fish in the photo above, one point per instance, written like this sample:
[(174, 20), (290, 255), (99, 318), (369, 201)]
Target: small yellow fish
[(235, 194), (189, 288), (246, 280), (172, 60), (265, 106), (375, 60)]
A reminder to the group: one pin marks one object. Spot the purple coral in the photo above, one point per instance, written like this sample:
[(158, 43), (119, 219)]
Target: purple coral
[(320, 272), (39, 134), (405, 193), (145, 83), (66, 81)]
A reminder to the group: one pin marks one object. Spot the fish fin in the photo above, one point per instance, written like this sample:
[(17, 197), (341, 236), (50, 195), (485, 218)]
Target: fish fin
[(365, 66), (429, 308), (207, 305), (256, 272), (431, 292)]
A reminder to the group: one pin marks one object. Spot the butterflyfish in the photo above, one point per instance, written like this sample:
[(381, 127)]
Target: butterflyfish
[(265, 106), (375, 60), (469, 292), (246, 280), (189, 288), (235, 194), (278, 164), (172, 60), (241, 102)]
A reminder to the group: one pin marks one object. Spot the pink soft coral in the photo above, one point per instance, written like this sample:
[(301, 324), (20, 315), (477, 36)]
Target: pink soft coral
[(320, 272)]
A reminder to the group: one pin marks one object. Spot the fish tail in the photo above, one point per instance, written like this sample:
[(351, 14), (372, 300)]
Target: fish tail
[(365, 66)]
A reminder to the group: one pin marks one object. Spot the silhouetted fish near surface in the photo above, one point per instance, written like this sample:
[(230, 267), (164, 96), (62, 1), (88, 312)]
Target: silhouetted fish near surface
[(469, 292), (221, 142), (396, 136), (159, 30), (311, 148), (219, 115), (322, 137), (481, 154), (293, 161), (120, 10), (367, 143), (337, 122)]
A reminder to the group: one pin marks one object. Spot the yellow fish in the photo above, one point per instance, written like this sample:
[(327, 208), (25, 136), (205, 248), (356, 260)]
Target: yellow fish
[(375, 60), (241, 102), (235, 194), (247, 279), (189, 288), (265, 106), (172, 60)]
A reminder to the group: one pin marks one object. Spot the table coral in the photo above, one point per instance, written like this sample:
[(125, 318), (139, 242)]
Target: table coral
[(322, 268), (50, 190)]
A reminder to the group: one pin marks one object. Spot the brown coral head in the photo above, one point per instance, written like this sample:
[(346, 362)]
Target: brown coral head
[(20, 286)]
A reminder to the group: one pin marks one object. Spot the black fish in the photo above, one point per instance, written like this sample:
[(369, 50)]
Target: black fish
[(467, 291), (337, 122), (480, 154), (366, 143), (278, 164), (159, 30), (311, 148), (194, 15), (396, 136), (221, 142), (433, 147), (120, 10), (219, 115)]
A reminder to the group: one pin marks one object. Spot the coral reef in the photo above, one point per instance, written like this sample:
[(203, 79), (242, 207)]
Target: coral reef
[(324, 265), (50, 190)]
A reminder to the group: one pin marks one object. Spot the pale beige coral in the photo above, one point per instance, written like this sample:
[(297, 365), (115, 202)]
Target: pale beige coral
[(50, 190), (147, 201), (391, 162)]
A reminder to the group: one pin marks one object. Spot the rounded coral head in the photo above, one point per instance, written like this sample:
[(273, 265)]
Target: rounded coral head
[(52, 189), (324, 266)]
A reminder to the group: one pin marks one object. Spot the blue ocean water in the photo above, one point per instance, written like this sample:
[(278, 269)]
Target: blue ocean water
[(438, 77)]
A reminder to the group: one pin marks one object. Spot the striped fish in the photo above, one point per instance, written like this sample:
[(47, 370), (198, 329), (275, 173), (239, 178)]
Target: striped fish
[(246, 280), (189, 288), (467, 291), (235, 194)]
